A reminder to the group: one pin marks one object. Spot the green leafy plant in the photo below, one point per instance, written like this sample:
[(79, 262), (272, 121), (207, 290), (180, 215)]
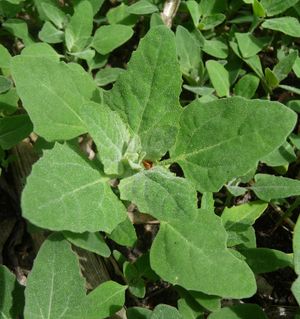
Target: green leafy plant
[(159, 156)]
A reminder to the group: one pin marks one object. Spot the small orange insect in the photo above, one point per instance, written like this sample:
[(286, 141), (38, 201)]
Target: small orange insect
[(147, 164)]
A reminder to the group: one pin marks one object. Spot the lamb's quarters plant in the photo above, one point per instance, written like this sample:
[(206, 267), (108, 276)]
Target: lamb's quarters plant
[(189, 140)]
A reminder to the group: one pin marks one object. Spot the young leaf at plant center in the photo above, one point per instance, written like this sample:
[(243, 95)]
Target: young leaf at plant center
[(249, 45), (283, 155), (107, 75), (67, 192), (14, 129), (109, 37), (138, 313), (223, 139), (271, 79), (146, 95), (219, 77), (79, 29), (286, 25), (189, 54), (58, 89), (11, 295), (247, 86), (263, 260), (268, 187), (164, 311), (110, 135), (89, 241), (142, 7), (181, 245), (47, 287), (245, 311), (50, 34), (284, 66), (275, 7)]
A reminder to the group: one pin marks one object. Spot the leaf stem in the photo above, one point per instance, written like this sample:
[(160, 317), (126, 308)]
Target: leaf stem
[(169, 11)]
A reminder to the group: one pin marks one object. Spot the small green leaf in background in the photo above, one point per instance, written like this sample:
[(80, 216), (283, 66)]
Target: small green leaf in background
[(93, 242), (136, 284), (283, 155), (296, 66), (188, 310), (147, 94), (80, 198), (54, 14), (110, 135), (271, 79), (194, 10), (11, 295), (285, 65), (107, 76), (189, 54), (124, 234), (19, 29), (5, 84), (80, 27), (247, 86), (96, 4), (14, 129), (142, 7), (211, 21), (296, 256), (138, 313), (286, 25), (9, 102), (274, 7), (268, 187), (263, 260), (215, 48), (109, 37), (219, 77), (5, 57), (164, 311), (120, 15), (50, 34), (258, 9), (234, 130), (250, 45), (244, 311)]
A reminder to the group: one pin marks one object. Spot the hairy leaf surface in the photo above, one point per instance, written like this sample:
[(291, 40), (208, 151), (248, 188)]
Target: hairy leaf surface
[(146, 95), (223, 139), (65, 192)]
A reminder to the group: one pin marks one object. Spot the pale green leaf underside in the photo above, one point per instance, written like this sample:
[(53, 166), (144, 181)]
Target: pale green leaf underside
[(52, 94), (189, 241), (268, 187), (55, 286), (146, 95), (64, 192), (109, 133), (223, 139)]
